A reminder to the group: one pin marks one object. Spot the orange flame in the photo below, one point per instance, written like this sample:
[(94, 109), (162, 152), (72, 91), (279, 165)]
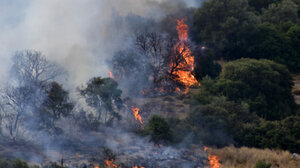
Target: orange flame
[(111, 75), (110, 163), (137, 167), (185, 68), (137, 116), (214, 161)]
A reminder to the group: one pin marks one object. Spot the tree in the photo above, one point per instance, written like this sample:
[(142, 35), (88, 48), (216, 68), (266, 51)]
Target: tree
[(280, 12), (206, 66), (219, 23), (259, 4), (25, 93), (56, 104), (159, 129), (31, 67), (104, 96), (263, 84)]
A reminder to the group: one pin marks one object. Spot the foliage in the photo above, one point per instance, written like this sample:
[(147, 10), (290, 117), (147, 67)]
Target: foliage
[(56, 104), (243, 114), (206, 66), (262, 164), (264, 85), (104, 96), (280, 12), (3, 163), (19, 164), (219, 23), (159, 129)]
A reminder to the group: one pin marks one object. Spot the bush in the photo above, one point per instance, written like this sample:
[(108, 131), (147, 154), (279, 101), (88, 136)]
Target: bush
[(3, 163), (265, 85), (159, 129), (19, 164), (262, 164)]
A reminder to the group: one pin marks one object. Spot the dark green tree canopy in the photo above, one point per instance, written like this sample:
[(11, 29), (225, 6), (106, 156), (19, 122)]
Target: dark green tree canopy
[(104, 96), (57, 104), (263, 84)]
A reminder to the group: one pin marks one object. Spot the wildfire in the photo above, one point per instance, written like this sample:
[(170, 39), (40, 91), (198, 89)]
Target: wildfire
[(110, 163), (185, 68), (111, 75), (214, 161), (137, 116)]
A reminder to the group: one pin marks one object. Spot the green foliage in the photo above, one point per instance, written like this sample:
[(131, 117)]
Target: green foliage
[(263, 84), (3, 163), (262, 164), (56, 105), (205, 66), (260, 4), (19, 164), (211, 122), (234, 30), (103, 94), (280, 12), (159, 129), (219, 23)]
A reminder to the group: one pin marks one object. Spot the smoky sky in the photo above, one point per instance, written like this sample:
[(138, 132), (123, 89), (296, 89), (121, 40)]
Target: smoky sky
[(80, 35)]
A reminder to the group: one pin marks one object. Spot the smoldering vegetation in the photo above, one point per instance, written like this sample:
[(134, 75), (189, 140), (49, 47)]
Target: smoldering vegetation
[(56, 110)]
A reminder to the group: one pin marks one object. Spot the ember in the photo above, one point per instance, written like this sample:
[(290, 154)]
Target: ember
[(214, 161), (183, 71), (110, 163)]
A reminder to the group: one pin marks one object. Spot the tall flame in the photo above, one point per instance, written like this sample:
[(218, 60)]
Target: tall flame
[(185, 68), (214, 161), (136, 113), (110, 163)]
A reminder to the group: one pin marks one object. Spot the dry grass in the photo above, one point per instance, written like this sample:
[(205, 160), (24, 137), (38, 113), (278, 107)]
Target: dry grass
[(232, 157)]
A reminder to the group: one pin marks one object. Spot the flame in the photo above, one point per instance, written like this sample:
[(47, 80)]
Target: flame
[(110, 163), (137, 116), (137, 167), (214, 161), (111, 75), (185, 68)]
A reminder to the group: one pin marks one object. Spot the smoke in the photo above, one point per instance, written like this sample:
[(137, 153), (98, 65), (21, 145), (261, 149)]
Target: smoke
[(79, 35)]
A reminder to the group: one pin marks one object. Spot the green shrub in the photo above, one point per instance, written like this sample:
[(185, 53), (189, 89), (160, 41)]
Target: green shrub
[(159, 129), (262, 164), (19, 164), (3, 163)]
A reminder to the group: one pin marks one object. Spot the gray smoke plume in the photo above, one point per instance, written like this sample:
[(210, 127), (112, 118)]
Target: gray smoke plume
[(79, 35)]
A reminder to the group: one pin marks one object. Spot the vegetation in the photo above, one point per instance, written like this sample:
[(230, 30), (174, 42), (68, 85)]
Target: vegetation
[(251, 101), (232, 157), (254, 29), (159, 129)]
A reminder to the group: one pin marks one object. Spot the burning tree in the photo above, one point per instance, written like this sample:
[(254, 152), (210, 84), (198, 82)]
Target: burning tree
[(157, 62), (182, 64)]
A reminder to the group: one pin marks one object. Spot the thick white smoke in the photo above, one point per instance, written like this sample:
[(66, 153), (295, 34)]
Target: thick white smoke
[(78, 34)]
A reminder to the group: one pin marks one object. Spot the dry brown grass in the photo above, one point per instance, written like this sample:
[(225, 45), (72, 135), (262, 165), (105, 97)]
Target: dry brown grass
[(232, 157)]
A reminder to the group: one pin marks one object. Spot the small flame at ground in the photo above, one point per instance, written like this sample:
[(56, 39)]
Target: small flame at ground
[(136, 113), (185, 68), (110, 163), (214, 161), (137, 167)]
